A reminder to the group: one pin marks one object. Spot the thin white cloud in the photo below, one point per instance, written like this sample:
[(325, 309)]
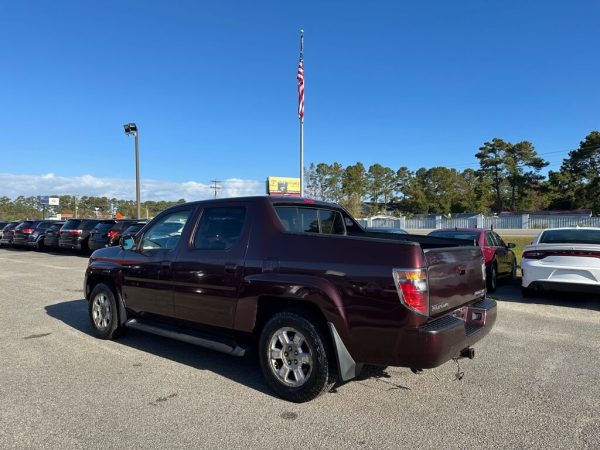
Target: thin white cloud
[(13, 185)]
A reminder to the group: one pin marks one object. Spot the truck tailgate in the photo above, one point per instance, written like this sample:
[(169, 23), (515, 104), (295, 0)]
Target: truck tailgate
[(456, 276)]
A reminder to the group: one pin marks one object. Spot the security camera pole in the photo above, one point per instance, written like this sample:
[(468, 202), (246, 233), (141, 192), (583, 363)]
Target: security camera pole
[(131, 128)]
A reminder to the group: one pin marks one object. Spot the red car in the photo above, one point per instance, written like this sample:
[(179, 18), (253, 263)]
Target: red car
[(500, 260)]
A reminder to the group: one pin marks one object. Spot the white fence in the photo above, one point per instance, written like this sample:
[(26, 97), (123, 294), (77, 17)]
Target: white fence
[(523, 221)]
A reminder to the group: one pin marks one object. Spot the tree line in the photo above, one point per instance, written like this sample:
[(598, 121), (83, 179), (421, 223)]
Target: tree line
[(84, 206), (509, 178)]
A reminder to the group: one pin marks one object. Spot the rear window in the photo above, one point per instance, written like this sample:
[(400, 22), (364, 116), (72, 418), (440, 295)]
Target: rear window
[(580, 236), (43, 225), (54, 226), (310, 220), (103, 226), (71, 224), (469, 235), (89, 224), (132, 229), (122, 224), (26, 224)]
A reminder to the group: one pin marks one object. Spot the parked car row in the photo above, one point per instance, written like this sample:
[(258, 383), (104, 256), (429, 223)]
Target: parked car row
[(73, 234)]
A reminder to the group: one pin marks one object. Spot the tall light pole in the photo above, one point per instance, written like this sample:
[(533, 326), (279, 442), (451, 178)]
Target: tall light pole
[(131, 128)]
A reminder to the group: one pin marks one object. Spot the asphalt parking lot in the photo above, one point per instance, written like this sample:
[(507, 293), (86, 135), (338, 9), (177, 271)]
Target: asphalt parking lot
[(535, 382)]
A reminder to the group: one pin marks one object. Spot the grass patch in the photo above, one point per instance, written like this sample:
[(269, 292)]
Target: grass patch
[(520, 242)]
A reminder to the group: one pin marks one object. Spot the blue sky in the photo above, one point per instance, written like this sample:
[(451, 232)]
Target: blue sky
[(212, 87)]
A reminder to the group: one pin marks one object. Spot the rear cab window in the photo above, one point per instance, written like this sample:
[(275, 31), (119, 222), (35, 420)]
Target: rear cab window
[(303, 219), (219, 228)]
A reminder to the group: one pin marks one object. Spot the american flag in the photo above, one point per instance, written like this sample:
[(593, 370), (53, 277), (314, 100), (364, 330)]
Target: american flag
[(300, 78)]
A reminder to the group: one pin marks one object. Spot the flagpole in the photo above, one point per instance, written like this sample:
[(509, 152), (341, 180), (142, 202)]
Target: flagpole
[(301, 117)]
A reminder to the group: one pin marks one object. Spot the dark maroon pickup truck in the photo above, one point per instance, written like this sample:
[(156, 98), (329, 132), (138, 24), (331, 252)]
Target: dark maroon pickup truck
[(300, 280)]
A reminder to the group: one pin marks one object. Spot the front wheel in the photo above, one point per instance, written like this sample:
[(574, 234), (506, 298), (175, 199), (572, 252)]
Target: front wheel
[(103, 313), (295, 357), (513, 273)]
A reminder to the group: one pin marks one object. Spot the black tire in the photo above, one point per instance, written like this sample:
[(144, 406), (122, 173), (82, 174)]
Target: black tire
[(39, 246), (513, 273), (103, 312), (492, 279), (527, 292), (321, 373)]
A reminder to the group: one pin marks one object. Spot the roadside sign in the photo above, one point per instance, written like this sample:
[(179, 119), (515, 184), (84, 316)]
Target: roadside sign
[(283, 186), (45, 200)]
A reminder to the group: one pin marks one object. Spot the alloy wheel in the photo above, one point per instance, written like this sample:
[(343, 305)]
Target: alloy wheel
[(290, 357)]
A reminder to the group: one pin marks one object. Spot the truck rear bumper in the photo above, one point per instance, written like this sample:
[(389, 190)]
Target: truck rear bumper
[(443, 339)]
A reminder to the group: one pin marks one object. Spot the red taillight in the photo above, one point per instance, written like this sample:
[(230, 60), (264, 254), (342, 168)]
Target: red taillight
[(74, 232), (533, 255), (112, 234), (413, 289), (27, 230), (539, 254)]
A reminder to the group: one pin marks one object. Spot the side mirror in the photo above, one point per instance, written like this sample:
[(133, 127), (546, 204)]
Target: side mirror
[(127, 242), (510, 245)]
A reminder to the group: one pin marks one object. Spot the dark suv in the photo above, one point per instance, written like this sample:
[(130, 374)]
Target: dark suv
[(31, 233), (108, 232), (75, 234), (52, 235), (7, 233)]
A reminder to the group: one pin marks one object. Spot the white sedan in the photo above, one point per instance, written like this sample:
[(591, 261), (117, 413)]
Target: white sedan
[(562, 259)]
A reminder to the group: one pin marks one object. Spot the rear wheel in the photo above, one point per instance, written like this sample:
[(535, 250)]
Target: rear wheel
[(493, 277), (103, 312), (295, 357), (513, 273), (40, 245), (527, 292)]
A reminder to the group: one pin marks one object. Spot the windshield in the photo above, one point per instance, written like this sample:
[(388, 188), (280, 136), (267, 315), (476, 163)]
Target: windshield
[(578, 236)]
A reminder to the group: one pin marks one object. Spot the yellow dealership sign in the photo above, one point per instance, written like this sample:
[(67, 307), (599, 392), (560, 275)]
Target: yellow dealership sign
[(283, 186)]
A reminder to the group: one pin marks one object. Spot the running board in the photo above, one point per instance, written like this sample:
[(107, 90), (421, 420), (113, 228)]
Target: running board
[(230, 348)]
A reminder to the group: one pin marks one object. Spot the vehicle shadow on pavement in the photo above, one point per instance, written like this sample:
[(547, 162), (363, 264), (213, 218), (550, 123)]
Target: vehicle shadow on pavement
[(511, 292), (244, 370)]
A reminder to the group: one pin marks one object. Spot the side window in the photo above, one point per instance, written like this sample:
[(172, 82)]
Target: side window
[(489, 240), (219, 228), (165, 233)]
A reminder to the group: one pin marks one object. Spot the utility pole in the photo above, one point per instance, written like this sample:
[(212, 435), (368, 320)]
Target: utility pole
[(132, 129), (215, 187)]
